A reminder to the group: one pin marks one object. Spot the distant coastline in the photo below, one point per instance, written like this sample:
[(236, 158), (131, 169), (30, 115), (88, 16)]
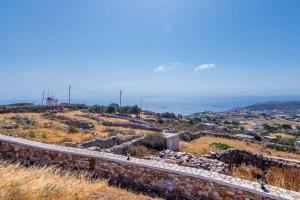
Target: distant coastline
[(182, 104)]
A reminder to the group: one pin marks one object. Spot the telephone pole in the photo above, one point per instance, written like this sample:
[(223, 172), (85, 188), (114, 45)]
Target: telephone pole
[(120, 98), (69, 94), (43, 97)]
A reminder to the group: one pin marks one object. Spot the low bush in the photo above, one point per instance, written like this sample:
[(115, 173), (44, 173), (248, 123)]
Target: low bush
[(73, 129), (286, 141), (31, 134), (258, 138), (185, 137), (155, 141), (138, 151), (220, 145)]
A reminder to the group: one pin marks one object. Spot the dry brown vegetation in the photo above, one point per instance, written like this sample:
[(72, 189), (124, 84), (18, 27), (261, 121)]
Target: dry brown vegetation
[(139, 151), (47, 183), (273, 121), (202, 146), (54, 132), (284, 178)]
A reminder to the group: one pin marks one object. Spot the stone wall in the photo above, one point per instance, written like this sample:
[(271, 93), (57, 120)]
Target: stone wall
[(192, 136), (131, 125), (104, 143), (168, 180), (280, 147), (237, 157)]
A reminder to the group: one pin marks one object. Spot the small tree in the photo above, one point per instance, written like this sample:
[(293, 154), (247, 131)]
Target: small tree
[(112, 108), (155, 141), (135, 110)]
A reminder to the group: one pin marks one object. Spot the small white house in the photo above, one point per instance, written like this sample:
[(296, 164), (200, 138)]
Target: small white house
[(51, 101), (210, 126), (172, 141), (297, 143)]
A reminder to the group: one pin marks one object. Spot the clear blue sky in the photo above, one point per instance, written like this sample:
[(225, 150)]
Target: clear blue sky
[(149, 47)]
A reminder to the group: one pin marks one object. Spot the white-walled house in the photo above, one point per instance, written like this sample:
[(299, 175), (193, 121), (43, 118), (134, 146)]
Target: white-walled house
[(297, 143), (251, 132), (51, 101)]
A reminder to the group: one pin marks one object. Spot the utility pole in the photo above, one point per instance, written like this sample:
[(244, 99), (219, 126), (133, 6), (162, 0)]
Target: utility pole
[(120, 98), (69, 94), (142, 103), (43, 97)]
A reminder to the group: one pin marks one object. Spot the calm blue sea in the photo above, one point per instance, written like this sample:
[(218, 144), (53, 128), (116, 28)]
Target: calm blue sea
[(180, 104)]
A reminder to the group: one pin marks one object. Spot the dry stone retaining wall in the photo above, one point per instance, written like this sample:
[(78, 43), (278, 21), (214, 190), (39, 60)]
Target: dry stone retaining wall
[(169, 180), (237, 157)]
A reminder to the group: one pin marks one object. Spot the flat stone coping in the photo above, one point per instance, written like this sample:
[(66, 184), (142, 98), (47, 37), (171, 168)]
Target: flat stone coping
[(253, 187)]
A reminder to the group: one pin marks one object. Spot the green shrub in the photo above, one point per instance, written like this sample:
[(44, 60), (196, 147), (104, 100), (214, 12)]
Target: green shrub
[(286, 141), (155, 141), (73, 129), (220, 145), (258, 138), (44, 136), (31, 134), (191, 122)]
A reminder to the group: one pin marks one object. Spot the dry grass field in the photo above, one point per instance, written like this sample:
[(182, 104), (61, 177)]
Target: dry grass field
[(272, 121), (54, 132), (202, 146), (283, 135), (284, 178), (18, 183)]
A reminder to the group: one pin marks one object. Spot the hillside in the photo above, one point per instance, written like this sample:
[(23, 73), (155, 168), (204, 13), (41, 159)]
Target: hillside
[(273, 105)]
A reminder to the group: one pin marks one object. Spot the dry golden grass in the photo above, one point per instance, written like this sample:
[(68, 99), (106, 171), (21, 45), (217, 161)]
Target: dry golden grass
[(44, 130), (283, 135), (51, 136), (99, 128), (18, 183), (284, 178), (202, 146), (274, 121)]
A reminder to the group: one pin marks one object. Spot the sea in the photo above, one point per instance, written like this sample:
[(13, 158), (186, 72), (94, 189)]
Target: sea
[(184, 105)]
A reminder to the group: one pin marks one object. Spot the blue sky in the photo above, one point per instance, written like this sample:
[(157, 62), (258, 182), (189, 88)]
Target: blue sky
[(149, 47)]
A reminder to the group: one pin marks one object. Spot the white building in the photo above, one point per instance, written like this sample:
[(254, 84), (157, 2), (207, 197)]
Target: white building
[(210, 126), (251, 132), (172, 141), (51, 101), (297, 143)]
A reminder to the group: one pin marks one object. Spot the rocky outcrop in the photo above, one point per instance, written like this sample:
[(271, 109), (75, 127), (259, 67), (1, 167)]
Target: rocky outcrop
[(190, 160)]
